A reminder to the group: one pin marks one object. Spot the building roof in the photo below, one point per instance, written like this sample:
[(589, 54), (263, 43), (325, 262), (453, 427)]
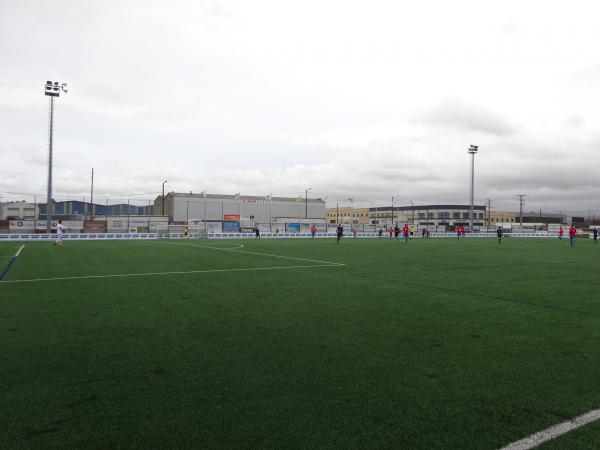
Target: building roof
[(427, 207), (241, 197)]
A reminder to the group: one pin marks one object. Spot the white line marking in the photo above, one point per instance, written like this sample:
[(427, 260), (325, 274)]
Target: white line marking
[(256, 253), (83, 277), (19, 252), (550, 433)]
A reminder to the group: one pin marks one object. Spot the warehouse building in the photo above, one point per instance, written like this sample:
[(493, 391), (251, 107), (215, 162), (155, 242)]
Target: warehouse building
[(216, 212)]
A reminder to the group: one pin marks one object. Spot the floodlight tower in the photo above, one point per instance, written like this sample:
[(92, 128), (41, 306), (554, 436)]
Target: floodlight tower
[(51, 89), (472, 150)]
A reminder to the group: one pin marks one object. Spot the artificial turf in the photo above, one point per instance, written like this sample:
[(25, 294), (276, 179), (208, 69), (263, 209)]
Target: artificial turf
[(431, 344)]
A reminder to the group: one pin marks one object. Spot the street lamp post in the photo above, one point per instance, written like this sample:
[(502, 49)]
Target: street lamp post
[(163, 197), (472, 150), (306, 203), (204, 194), (393, 218), (51, 89), (270, 198)]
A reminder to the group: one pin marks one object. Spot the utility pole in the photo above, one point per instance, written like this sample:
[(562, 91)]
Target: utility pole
[(521, 203), (92, 197), (489, 221)]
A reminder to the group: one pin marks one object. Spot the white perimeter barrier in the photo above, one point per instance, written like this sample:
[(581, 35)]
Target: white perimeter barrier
[(77, 237), (137, 236)]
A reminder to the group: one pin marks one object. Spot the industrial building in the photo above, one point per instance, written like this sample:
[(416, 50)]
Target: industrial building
[(438, 217), (79, 208), (216, 212)]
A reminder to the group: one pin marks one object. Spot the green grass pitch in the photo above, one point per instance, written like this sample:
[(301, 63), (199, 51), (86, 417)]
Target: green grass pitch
[(434, 344)]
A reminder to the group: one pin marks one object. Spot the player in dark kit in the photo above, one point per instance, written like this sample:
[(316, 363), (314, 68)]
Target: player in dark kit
[(499, 233), (595, 235), (340, 233)]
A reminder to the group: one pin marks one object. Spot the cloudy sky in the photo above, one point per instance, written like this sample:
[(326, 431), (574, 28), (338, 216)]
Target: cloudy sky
[(355, 99)]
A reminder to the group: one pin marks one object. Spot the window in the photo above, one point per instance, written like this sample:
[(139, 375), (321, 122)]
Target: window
[(444, 215), (465, 215), (421, 215), (430, 215), (456, 215), (481, 216)]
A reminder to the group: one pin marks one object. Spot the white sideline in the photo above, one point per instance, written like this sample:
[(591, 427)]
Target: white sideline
[(14, 256), (124, 275), (550, 433), (256, 253)]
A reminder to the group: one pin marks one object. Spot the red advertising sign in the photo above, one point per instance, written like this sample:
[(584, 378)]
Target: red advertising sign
[(231, 217)]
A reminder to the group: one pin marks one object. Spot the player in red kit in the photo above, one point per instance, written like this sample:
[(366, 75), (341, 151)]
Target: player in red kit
[(405, 231), (572, 235)]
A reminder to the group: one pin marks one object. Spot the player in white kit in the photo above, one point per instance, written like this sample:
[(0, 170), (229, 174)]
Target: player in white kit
[(59, 234)]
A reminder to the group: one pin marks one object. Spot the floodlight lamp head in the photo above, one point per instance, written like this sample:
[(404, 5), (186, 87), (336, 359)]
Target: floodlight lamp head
[(53, 88)]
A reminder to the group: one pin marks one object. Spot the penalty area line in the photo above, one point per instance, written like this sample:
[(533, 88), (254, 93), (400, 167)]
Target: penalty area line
[(125, 275), (236, 250), (557, 430)]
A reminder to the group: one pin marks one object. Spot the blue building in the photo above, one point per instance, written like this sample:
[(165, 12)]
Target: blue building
[(75, 207)]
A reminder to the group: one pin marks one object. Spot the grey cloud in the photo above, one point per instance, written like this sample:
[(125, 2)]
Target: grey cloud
[(574, 121), (455, 113)]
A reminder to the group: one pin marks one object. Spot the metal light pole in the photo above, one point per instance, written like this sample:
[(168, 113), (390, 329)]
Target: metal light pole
[(521, 201), (393, 218), (306, 204), (163, 197), (472, 150), (204, 193), (51, 89), (92, 197), (270, 198)]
